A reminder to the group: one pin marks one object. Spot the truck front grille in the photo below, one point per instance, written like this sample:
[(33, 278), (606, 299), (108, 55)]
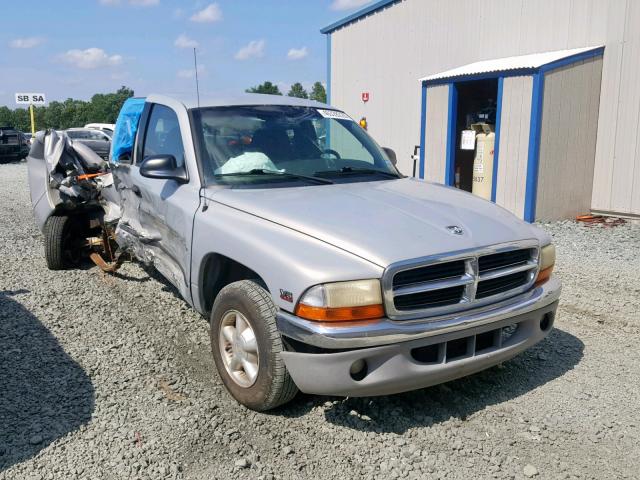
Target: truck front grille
[(434, 298), (494, 286), (464, 280)]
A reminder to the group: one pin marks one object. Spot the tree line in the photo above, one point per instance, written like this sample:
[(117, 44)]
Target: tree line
[(318, 92), (102, 108)]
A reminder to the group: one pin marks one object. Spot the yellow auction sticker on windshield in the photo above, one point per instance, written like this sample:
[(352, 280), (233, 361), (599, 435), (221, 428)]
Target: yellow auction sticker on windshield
[(334, 114)]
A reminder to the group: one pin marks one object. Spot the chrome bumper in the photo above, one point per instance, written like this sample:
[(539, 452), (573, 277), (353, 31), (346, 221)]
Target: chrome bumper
[(386, 331)]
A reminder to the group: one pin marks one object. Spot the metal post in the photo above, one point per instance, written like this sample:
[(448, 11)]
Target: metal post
[(33, 122)]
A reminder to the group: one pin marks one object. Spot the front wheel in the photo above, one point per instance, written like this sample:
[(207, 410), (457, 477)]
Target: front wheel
[(246, 347), (61, 242)]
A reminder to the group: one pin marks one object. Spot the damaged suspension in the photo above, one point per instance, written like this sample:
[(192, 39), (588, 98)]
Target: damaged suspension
[(105, 252)]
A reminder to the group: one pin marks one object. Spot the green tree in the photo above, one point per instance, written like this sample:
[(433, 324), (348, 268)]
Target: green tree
[(266, 87), (6, 117), (104, 107), (21, 119), (298, 91), (52, 115), (318, 93)]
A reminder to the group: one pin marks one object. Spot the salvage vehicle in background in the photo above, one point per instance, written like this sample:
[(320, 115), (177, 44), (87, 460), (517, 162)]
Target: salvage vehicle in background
[(107, 128), (13, 145), (320, 267), (96, 140)]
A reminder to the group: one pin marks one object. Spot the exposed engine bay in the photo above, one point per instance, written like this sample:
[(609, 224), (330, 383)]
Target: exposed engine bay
[(80, 182)]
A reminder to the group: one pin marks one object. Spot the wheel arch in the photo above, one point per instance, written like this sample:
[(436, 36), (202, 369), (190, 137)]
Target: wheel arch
[(216, 272)]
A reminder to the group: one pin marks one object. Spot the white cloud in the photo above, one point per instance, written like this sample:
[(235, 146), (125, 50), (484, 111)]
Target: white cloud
[(297, 53), (191, 73), (185, 42), (28, 42), (254, 49), (211, 13), (90, 58), (348, 4)]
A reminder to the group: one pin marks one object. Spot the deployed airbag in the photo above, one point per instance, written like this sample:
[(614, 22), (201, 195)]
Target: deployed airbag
[(246, 162)]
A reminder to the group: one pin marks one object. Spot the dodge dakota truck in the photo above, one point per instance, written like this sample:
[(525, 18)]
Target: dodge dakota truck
[(319, 266)]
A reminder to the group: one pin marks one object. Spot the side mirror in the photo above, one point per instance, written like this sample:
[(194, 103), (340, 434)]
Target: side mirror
[(163, 167), (391, 154)]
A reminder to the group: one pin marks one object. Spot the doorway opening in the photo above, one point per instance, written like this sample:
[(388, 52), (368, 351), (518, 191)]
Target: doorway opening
[(476, 105)]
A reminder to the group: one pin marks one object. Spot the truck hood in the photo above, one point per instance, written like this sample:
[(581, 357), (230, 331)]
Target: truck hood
[(382, 221)]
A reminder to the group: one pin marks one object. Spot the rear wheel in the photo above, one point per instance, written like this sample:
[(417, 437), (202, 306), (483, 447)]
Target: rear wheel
[(62, 235), (246, 347)]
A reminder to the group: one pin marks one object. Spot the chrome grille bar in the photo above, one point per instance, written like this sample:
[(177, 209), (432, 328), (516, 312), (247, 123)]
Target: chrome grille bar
[(514, 269), (465, 279), (501, 272)]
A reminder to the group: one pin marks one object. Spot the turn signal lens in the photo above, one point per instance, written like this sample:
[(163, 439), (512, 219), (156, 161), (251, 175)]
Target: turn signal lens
[(344, 314), (547, 261), (342, 301), (543, 275)]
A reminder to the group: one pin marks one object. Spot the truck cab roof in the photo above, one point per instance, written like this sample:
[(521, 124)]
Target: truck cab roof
[(191, 101)]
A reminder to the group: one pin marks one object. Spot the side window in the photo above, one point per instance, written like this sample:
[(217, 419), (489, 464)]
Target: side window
[(163, 134), (96, 136)]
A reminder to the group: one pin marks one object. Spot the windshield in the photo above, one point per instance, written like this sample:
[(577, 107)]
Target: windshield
[(284, 144)]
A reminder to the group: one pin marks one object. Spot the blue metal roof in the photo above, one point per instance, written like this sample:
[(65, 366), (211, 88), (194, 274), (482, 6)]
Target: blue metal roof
[(373, 8)]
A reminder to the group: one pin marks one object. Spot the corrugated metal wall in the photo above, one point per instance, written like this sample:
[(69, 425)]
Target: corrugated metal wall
[(514, 143), (436, 133), (388, 51), (568, 140)]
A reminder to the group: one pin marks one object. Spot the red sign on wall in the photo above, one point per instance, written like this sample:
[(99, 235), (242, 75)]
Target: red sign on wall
[(365, 96)]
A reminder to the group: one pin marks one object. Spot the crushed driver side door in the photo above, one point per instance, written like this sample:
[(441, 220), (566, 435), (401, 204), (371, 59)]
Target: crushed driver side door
[(157, 214)]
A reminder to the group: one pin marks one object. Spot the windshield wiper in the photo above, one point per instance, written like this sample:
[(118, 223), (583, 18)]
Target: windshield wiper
[(356, 170), (263, 171)]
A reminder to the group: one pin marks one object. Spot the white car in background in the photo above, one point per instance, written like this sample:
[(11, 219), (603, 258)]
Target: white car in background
[(107, 128)]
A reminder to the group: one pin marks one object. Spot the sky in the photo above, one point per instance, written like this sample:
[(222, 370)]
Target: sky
[(77, 48)]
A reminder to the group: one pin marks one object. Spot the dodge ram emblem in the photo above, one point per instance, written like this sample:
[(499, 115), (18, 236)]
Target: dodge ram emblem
[(455, 230)]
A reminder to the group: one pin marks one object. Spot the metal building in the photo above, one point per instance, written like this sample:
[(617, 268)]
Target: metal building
[(561, 78)]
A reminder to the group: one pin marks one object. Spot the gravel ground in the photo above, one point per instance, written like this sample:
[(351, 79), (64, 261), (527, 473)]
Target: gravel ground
[(111, 377)]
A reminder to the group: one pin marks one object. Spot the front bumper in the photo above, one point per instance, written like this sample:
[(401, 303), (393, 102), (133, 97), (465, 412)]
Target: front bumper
[(420, 363)]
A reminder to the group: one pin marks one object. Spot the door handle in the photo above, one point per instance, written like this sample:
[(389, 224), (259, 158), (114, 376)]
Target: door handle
[(136, 189)]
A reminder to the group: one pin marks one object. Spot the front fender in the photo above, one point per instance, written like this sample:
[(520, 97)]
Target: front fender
[(285, 259)]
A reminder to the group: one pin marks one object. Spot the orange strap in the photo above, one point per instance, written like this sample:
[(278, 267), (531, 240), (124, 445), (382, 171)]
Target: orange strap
[(87, 176)]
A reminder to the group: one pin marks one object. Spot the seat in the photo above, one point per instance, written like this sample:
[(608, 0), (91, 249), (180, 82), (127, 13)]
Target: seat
[(273, 142)]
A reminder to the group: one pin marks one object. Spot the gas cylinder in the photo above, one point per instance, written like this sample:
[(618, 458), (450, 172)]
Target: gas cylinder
[(483, 162)]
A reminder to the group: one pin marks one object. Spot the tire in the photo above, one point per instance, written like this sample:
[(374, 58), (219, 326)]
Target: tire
[(272, 386), (60, 233)]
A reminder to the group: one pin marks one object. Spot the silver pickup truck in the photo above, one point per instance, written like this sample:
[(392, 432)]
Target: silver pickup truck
[(320, 266)]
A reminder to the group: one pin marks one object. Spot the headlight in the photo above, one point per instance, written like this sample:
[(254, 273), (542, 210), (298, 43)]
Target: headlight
[(547, 261), (342, 301)]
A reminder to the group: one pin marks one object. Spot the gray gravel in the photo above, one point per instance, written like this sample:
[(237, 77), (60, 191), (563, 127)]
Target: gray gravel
[(111, 377)]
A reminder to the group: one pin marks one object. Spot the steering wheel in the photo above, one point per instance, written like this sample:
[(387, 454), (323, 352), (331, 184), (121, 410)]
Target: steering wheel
[(331, 152), (331, 163)]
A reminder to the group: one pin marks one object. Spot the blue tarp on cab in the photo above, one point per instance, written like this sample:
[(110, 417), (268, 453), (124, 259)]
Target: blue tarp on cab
[(126, 127)]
